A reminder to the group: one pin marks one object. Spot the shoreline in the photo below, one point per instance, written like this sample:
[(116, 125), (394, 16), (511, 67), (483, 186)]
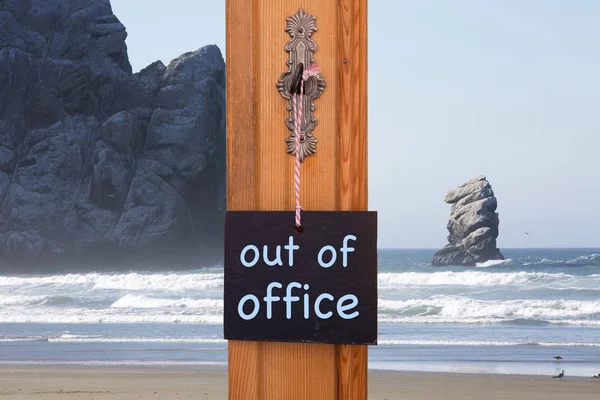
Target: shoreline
[(435, 368), (210, 382), (222, 367)]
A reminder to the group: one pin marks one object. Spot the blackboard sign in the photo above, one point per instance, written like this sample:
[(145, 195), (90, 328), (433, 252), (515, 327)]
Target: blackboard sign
[(318, 285)]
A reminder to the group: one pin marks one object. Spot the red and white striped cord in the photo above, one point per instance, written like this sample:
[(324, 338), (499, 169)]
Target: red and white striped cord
[(313, 70)]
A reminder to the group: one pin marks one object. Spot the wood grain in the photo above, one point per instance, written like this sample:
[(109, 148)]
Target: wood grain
[(260, 172), (352, 361), (244, 358), (241, 105)]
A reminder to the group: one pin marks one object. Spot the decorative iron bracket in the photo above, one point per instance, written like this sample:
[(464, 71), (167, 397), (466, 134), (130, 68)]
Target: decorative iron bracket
[(301, 47)]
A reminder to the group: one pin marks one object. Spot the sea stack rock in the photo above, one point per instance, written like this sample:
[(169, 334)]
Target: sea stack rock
[(96, 160), (473, 225)]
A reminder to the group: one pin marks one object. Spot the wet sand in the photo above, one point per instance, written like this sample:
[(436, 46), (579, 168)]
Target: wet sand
[(202, 383)]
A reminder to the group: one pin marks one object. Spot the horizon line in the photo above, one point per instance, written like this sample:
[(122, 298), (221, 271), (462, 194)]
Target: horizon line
[(505, 248)]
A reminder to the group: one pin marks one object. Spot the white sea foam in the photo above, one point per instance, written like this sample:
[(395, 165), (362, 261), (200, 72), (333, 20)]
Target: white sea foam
[(458, 309), (391, 280), (68, 336), (434, 309), (202, 281), (161, 282), (592, 259), (589, 260), (61, 280), (495, 263), (166, 282), (99, 339), (476, 321), (204, 340), (144, 363), (109, 315), (141, 301), (23, 339), (410, 342), (23, 300), (576, 322), (196, 297)]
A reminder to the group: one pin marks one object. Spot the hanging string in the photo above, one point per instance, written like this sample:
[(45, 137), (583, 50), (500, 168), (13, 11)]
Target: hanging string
[(313, 70)]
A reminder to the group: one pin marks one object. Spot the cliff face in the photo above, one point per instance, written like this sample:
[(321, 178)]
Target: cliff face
[(95, 160), (473, 225)]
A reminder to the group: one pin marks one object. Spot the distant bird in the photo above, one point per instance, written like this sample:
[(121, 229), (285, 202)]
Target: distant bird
[(527, 233), (558, 358), (562, 373)]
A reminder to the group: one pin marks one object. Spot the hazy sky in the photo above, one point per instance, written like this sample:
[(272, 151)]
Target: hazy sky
[(509, 89)]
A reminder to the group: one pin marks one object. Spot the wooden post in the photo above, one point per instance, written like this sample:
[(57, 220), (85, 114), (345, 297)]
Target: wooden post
[(260, 172)]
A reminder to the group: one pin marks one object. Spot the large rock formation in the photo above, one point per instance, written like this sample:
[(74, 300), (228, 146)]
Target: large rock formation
[(473, 225), (95, 160)]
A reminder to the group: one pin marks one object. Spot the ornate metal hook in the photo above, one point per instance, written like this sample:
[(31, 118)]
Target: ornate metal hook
[(301, 47)]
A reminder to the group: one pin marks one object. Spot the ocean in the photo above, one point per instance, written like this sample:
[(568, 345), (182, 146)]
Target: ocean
[(506, 317)]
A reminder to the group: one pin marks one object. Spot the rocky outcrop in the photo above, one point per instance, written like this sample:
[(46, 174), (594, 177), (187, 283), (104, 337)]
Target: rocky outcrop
[(473, 225), (95, 160)]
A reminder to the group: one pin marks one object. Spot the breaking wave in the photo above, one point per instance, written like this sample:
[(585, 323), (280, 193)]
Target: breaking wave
[(591, 260), (495, 263), (67, 338), (162, 282), (434, 309), (412, 294), (140, 301), (461, 309), (391, 280)]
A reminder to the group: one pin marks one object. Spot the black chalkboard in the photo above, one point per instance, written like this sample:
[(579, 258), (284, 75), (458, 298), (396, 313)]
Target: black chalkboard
[(341, 295)]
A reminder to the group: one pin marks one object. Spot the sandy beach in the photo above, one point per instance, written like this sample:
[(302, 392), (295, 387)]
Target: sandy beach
[(201, 383)]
